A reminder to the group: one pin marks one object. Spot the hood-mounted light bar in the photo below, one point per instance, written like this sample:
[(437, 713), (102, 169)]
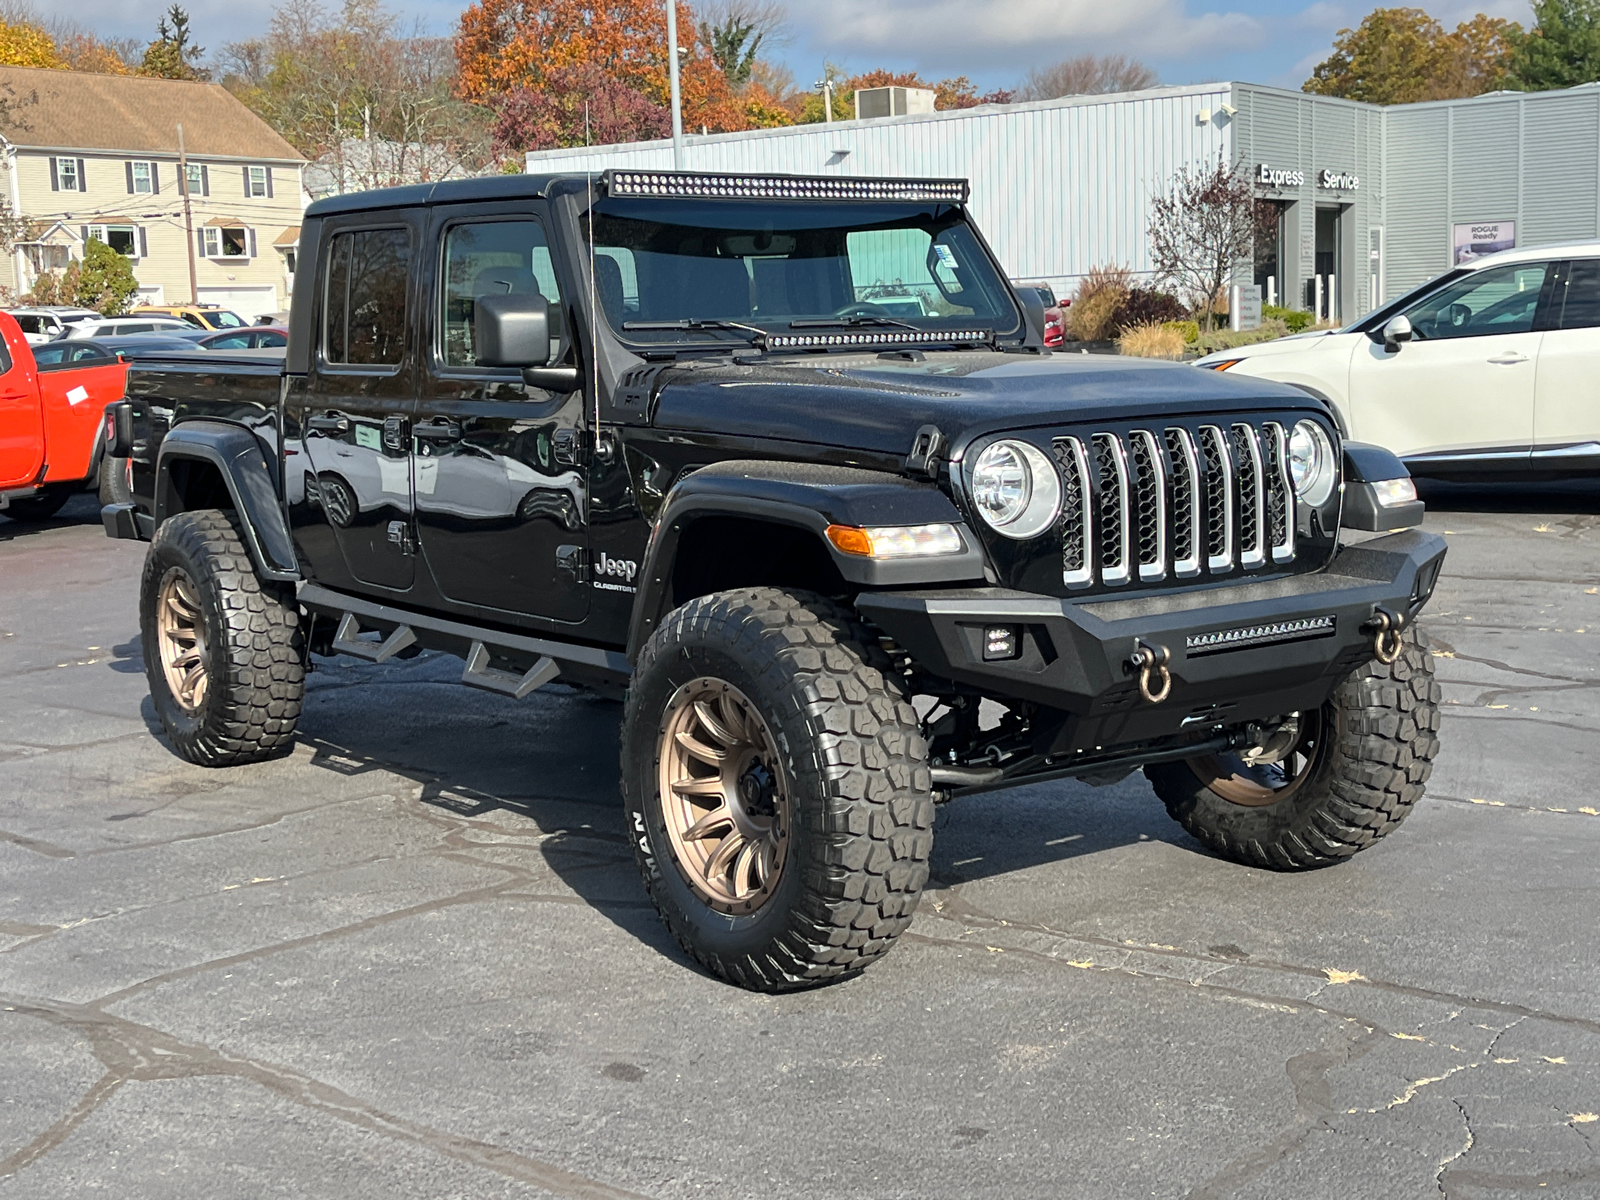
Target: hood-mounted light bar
[(701, 186), (876, 338)]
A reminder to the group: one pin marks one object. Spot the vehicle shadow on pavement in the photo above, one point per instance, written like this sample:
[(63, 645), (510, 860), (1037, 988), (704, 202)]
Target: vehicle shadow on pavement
[(1580, 496), (80, 510)]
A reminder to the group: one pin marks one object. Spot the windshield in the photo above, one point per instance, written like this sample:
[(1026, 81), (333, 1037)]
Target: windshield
[(223, 319), (775, 265)]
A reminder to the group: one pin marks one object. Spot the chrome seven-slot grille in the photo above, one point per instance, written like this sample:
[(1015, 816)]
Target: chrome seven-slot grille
[(1146, 505)]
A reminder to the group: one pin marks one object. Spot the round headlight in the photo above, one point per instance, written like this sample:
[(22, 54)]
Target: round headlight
[(1015, 489), (1311, 465)]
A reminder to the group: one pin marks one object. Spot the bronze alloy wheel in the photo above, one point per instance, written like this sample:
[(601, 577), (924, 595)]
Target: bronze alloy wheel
[(726, 809), (181, 628), (1266, 774)]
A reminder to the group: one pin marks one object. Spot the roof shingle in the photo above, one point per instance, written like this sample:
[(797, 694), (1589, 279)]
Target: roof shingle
[(74, 110)]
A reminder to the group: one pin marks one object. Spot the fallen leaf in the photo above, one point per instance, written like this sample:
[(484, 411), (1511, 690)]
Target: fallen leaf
[(1083, 964), (1507, 1060), (1337, 976), (1409, 1037), (1559, 1060), (1444, 653), (1591, 591), (1583, 1118), (1590, 812), (994, 949)]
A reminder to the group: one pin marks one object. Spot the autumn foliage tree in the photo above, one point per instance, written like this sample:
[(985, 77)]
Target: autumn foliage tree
[(1403, 55), (508, 47), (573, 106), (26, 45)]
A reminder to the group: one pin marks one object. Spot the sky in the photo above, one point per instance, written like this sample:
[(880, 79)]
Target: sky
[(993, 42)]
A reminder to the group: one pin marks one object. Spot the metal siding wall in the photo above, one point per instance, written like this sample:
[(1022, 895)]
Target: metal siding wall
[(1057, 188), (1561, 157), (1484, 182), (1418, 227)]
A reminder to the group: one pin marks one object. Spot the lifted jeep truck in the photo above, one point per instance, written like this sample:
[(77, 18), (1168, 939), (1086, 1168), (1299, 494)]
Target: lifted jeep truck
[(784, 462)]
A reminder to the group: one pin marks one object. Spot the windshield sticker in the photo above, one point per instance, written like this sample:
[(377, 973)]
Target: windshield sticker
[(368, 436), (946, 255)]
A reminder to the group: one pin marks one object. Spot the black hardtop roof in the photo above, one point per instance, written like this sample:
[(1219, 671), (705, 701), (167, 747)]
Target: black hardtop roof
[(534, 187)]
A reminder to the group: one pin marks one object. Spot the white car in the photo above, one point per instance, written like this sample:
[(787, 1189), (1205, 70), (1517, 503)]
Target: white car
[(47, 323), (1491, 369), (121, 326)]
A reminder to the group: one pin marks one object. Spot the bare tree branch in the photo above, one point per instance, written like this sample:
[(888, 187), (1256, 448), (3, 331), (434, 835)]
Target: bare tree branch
[(1087, 75)]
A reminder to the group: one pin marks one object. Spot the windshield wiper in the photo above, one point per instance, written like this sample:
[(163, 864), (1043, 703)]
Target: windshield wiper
[(851, 322), (758, 336)]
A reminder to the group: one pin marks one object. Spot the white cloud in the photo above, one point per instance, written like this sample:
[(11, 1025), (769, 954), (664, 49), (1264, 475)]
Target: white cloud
[(1017, 33)]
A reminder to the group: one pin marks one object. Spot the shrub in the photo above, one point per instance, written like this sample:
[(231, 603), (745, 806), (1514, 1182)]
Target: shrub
[(1147, 306), (1093, 314), (1189, 329), (1152, 340), (1226, 339), (1295, 320)]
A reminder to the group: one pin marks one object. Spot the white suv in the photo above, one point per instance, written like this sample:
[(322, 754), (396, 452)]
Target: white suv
[(46, 324), (118, 326), (1491, 369)]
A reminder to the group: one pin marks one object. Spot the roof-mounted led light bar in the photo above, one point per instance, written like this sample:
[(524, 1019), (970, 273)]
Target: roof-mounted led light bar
[(697, 186), (808, 341)]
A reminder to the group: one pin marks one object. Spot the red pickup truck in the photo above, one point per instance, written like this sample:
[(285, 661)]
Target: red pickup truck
[(53, 400)]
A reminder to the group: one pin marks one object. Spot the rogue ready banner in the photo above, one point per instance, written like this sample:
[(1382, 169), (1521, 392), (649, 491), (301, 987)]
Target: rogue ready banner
[(1480, 238)]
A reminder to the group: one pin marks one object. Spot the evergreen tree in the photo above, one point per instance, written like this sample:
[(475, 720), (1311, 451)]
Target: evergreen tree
[(1562, 49)]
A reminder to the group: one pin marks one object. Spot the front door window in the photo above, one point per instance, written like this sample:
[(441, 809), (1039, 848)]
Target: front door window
[(498, 466)]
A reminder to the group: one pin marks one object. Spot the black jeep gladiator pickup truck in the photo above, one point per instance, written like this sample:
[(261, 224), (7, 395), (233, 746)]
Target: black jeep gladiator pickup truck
[(783, 462)]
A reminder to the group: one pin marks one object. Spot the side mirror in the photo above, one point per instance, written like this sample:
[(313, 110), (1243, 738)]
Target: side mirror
[(514, 331), (511, 331), (1396, 332)]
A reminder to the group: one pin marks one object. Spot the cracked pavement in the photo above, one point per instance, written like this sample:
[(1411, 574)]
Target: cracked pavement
[(414, 957)]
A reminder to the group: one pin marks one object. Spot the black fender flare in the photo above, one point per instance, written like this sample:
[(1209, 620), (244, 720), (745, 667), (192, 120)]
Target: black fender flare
[(243, 465), (1364, 465), (810, 497)]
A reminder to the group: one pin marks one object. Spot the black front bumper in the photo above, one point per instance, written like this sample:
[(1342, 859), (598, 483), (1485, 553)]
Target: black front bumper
[(1077, 657)]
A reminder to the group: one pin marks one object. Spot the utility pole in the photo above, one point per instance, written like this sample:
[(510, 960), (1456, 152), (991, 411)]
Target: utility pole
[(188, 217), (672, 73), (826, 84)]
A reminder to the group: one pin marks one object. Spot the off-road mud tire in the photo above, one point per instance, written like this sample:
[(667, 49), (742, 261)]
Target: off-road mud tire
[(855, 764), (1383, 726), (256, 668)]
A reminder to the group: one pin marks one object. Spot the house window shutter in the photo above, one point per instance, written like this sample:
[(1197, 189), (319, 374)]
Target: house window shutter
[(55, 178), (127, 168), (84, 229), (155, 178), (205, 180), (200, 242), (246, 171), (144, 246), (250, 234), (269, 183), (83, 179)]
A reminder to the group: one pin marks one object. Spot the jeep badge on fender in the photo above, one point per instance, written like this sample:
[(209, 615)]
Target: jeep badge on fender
[(808, 523)]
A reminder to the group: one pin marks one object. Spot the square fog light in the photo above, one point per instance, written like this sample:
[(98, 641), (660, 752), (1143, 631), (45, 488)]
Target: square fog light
[(1000, 643)]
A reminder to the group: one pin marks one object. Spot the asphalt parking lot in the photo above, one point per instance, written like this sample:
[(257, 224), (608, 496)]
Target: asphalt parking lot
[(414, 958)]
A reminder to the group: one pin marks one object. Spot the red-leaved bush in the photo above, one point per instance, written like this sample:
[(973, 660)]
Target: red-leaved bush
[(554, 115)]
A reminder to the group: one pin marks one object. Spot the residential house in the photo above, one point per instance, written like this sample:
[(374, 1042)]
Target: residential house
[(98, 156)]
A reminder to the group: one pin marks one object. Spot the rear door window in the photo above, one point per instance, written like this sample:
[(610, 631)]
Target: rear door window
[(364, 309)]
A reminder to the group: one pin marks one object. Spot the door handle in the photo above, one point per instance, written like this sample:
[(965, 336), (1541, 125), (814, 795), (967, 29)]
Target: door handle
[(333, 424), (1509, 358), (438, 431)]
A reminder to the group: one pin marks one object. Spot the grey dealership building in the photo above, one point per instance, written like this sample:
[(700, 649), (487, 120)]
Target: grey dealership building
[(1370, 201)]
